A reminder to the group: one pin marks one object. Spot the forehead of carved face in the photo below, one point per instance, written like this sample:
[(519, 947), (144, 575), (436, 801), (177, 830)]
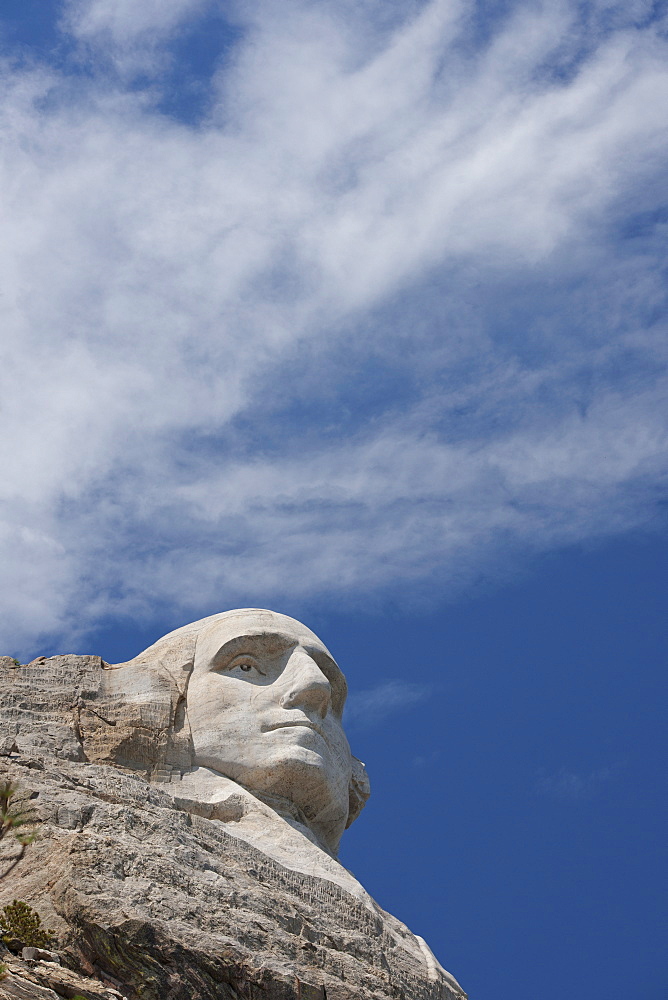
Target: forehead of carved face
[(265, 701)]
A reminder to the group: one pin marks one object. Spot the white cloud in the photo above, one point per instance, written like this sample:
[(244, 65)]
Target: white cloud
[(393, 196), (127, 33), (569, 785), (369, 708)]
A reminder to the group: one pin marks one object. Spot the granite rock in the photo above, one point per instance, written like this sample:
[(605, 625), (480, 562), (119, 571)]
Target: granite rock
[(188, 852), (43, 980)]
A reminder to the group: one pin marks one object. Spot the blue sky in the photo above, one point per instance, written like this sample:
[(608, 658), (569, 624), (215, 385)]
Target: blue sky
[(357, 311)]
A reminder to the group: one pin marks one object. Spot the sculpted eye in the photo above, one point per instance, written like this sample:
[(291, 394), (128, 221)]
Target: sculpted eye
[(245, 663)]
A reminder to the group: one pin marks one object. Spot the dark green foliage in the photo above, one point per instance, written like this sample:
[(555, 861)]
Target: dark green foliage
[(12, 818), (20, 921)]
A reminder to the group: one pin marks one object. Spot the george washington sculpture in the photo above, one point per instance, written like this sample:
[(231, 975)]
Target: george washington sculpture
[(236, 722)]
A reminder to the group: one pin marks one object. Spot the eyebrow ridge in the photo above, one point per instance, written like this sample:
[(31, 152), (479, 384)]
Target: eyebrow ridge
[(261, 638), (232, 645)]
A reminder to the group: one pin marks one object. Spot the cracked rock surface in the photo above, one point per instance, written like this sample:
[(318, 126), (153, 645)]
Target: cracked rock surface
[(152, 901), (48, 981)]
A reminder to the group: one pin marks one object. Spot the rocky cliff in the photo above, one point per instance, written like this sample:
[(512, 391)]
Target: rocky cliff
[(156, 902)]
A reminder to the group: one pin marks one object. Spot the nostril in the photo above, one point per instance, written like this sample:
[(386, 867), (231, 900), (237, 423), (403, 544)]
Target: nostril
[(306, 686), (286, 700), (310, 693), (315, 696)]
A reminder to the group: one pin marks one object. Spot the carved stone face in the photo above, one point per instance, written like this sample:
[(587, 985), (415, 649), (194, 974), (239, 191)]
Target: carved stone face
[(264, 705)]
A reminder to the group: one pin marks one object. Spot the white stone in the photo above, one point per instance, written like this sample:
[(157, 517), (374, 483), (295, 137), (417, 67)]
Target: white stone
[(237, 721)]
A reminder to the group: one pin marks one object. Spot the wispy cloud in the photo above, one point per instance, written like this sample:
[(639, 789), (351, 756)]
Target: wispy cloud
[(391, 314), (368, 708), (127, 36), (426, 759), (565, 784)]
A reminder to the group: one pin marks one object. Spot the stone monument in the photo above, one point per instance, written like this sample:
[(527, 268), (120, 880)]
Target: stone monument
[(190, 804)]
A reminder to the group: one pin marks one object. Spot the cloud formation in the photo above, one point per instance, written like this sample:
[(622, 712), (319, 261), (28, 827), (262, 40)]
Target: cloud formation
[(129, 37), (369, 708), (389, 311), (570, 785)]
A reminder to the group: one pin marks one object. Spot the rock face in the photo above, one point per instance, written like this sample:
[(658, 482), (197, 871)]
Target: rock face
[(45, 980), (165, 876)]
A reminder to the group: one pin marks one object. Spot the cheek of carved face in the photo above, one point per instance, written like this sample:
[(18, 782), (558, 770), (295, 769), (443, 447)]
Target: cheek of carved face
[(270, 718)]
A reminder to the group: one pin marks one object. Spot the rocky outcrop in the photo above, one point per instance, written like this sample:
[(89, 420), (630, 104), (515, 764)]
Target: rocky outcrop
[(41, 979), (155, 901)]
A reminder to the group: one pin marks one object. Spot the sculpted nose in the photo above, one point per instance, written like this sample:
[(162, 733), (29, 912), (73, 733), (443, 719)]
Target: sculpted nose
[(307, 687)]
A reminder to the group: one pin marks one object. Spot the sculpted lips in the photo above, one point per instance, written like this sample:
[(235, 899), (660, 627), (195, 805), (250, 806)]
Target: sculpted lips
[(291, 723)]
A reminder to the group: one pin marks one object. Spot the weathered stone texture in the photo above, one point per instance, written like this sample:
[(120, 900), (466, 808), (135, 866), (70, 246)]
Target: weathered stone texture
[(160, 903), (43, 980)]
